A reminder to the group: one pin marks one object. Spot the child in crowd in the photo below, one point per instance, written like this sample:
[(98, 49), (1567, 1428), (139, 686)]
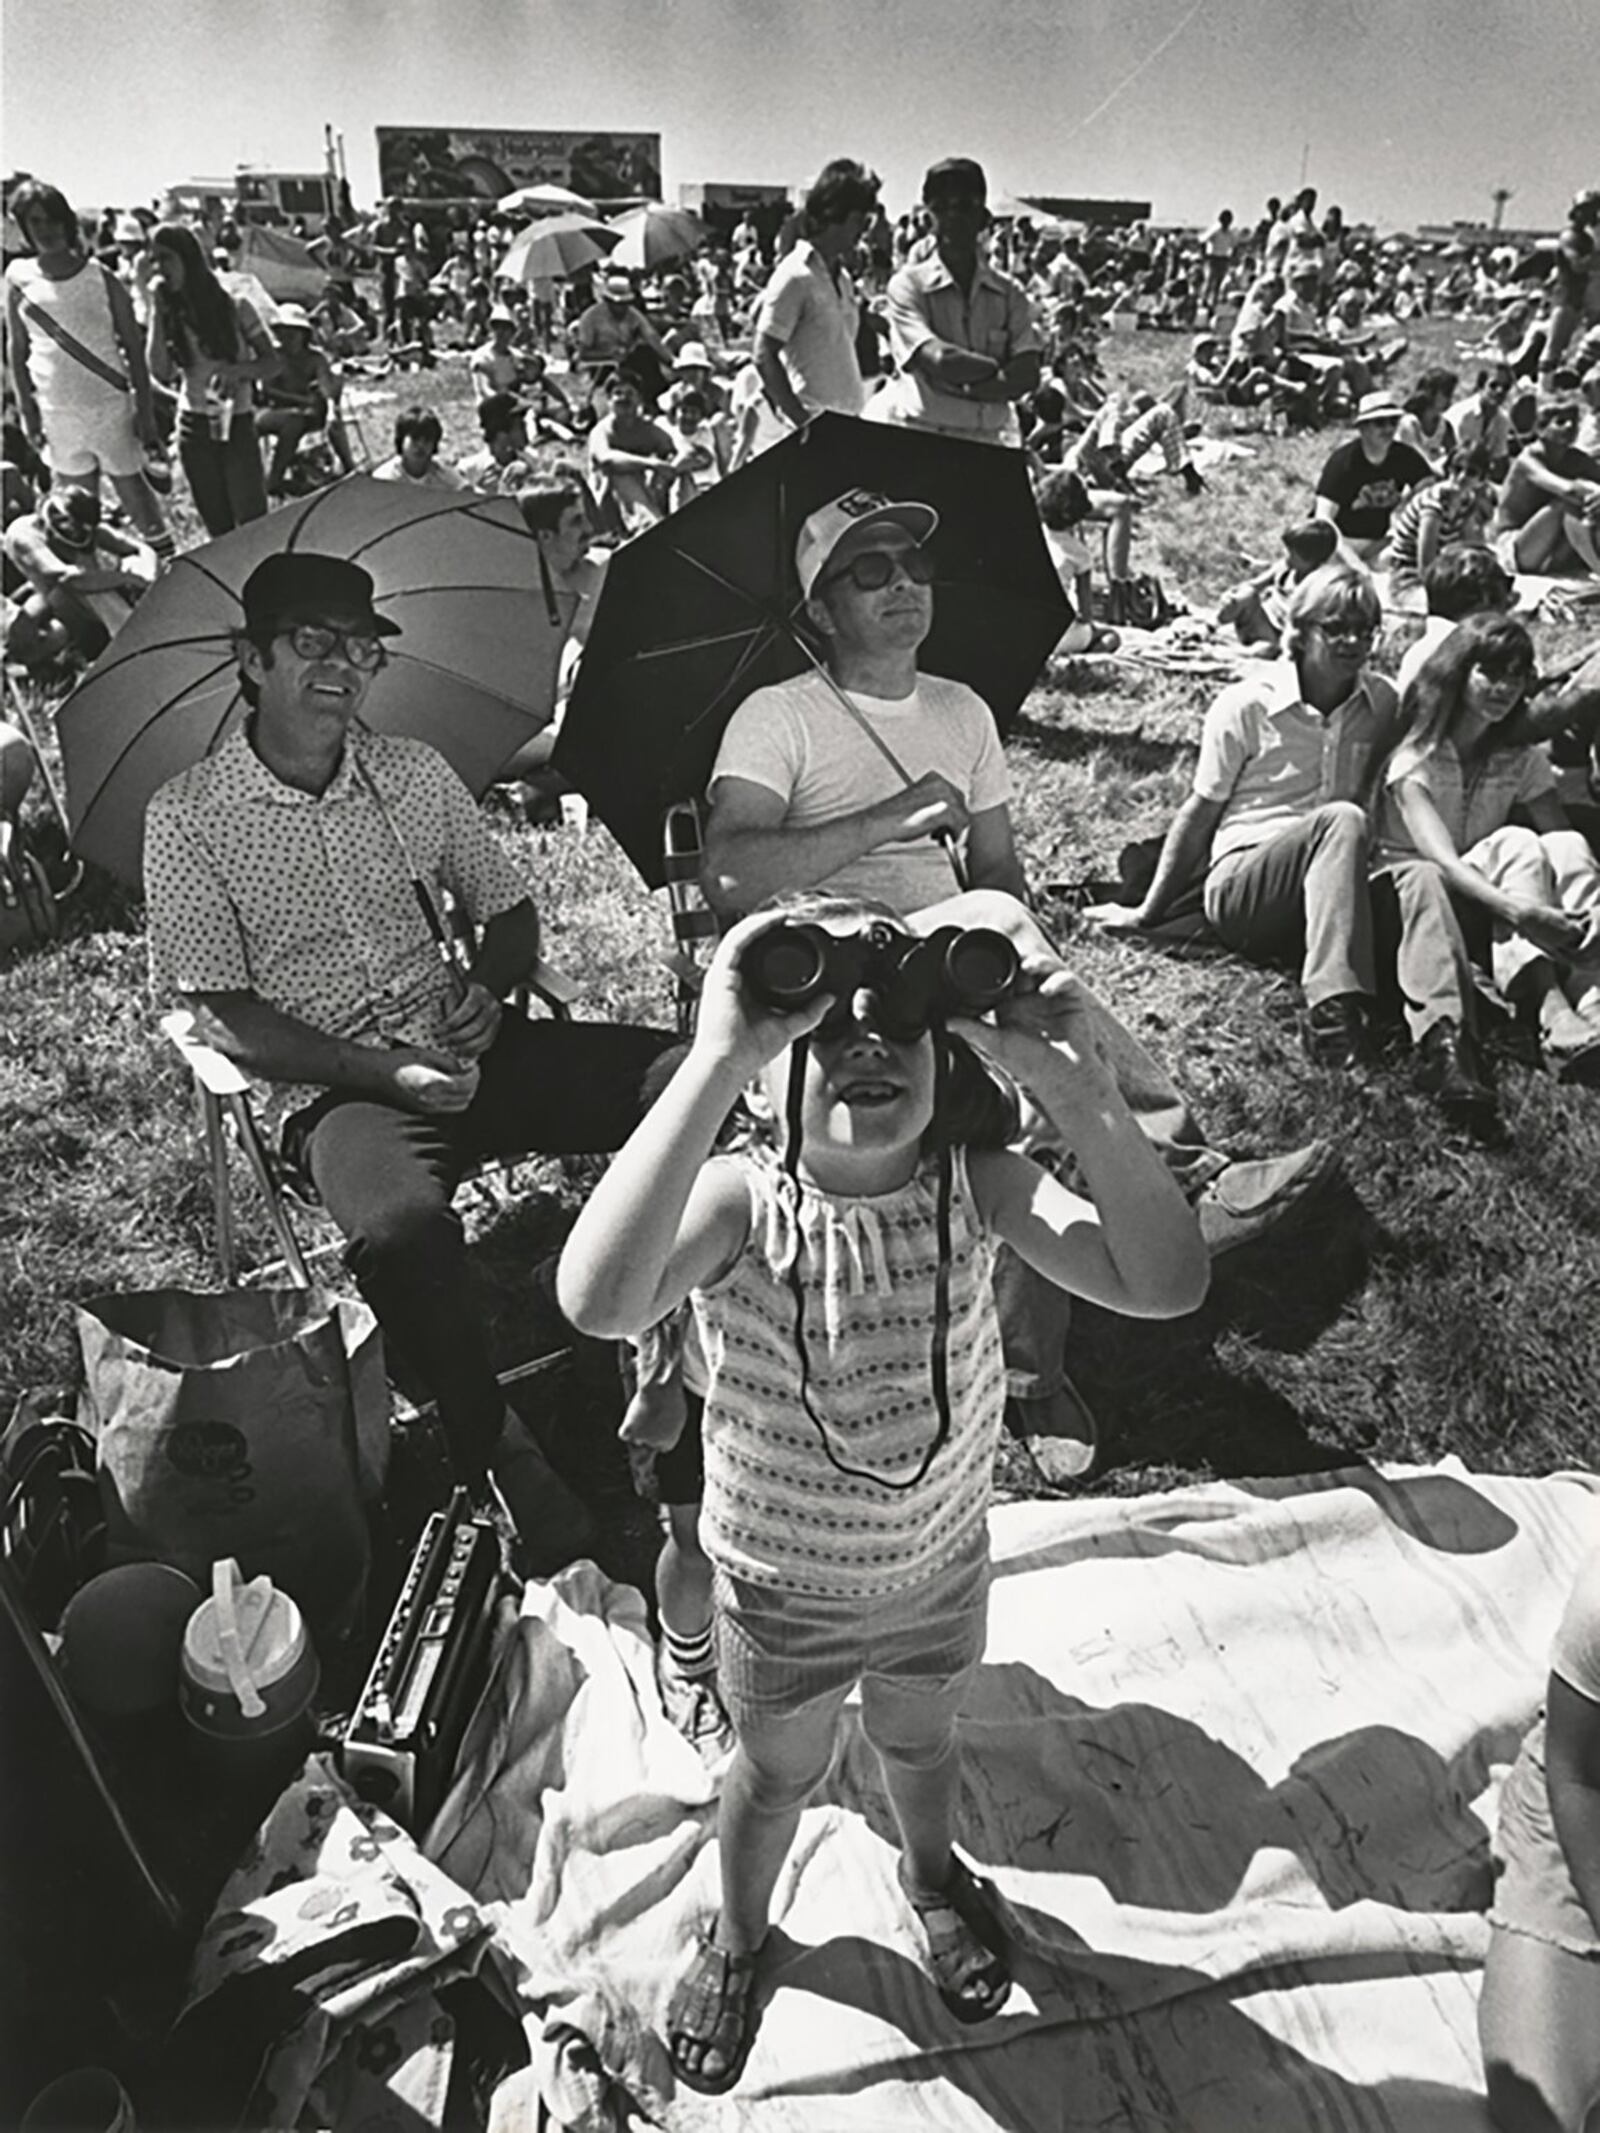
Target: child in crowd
[(845, 1312), (1258, 607), (418, 434), (1448, 795), (1539, 2013)]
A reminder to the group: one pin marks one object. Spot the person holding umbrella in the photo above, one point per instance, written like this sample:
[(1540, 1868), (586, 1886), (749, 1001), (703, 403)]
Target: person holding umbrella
[(868, 777), (293, 881)]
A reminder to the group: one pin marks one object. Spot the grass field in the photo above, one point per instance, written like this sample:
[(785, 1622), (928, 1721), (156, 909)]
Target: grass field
[(1441, 1299)]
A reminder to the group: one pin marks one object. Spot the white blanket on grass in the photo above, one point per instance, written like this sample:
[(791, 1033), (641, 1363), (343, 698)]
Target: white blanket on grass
[(1233, 1762)]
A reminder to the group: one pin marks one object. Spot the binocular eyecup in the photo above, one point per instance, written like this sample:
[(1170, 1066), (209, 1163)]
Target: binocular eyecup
[(915, 982)]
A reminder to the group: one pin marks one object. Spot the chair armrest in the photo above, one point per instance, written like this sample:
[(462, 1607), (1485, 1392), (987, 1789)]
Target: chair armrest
[(217, 1075), (559, 993)]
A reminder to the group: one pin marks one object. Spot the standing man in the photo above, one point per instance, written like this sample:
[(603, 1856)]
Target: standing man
[(283, 913), (961, 333), (386, 240), (1277, 827), (1218, 245), (805, 325)]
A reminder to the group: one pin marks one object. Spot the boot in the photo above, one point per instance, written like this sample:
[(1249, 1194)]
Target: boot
[(1193, 482), (1450, 1073)]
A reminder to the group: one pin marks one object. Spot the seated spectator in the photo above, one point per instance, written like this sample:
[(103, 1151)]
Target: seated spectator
[(341, 329), (556, 513), (1276, 827), (1458, 582), (1061, 406), (1448, 794), (303, 396), (1310, 351), (1549, 509), (1258, 608), (692, 373), (699, 445), (1588, 438), (1216, 376), (613, 336), (82, 578), (550, 412), (1451, 512), (1365, 480), (1425, 424), (1539, 2011), (633, 461), (1481, 419), (418, 434), (495, 368), (502, 467), (1064, 505), (1126, 427)]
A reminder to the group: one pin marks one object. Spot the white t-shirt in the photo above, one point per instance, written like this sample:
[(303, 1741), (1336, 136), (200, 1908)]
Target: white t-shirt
[(796, 739)]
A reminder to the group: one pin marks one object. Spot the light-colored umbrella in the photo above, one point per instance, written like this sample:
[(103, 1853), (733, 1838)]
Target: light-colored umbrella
[(544, 200), (553, 250), (655, 235), (473, 671)]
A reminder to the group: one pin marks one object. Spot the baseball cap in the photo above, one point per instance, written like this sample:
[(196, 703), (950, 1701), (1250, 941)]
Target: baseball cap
[(857, 508), (1379, 407), (956, 178), (497, 411), (303, 587)]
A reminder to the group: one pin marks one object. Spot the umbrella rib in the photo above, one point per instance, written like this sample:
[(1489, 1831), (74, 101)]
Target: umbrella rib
[(702, 644), (134, 739)]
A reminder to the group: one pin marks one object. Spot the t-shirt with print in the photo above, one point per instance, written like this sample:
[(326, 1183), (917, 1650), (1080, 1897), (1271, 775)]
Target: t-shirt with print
[(1368, 492), (796, 739)]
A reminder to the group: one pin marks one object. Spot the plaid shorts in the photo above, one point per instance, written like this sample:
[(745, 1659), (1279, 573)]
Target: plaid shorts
[(779, 1651)]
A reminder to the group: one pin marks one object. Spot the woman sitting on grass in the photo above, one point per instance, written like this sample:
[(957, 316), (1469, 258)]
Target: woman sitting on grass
[(1065, 505), (1448, 794), (1539, 2013), (851, 1416), (1452, 512)]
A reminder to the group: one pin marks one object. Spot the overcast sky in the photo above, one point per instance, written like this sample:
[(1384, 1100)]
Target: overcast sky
[(1402, 110)]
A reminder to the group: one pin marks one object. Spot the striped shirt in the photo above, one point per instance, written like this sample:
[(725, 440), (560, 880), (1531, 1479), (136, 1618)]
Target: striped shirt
[(777, 1511), (1455, 505)]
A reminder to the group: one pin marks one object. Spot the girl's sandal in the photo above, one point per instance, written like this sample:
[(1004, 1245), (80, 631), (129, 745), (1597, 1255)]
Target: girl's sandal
[(712, 2010), (966, 1947)]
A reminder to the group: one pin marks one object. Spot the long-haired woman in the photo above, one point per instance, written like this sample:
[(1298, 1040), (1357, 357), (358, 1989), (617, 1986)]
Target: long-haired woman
[(1448, 795), (216, 349)]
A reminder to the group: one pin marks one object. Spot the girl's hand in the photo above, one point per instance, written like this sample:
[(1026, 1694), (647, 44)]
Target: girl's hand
[(1041, 1033), (731, 1025)]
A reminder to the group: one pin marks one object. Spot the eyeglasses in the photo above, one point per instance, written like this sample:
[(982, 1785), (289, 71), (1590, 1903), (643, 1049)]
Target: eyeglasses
[(871, 572), (315, 640), (1343, 633)]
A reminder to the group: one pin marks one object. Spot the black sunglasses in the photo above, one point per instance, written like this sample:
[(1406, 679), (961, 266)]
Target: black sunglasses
[(871, 572)]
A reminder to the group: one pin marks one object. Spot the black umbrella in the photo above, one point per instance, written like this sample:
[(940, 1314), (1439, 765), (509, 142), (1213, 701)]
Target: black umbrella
[(702, 609)]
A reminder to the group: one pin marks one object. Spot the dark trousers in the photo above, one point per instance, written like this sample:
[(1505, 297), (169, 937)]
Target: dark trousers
[(388, 1178), (223, 473)]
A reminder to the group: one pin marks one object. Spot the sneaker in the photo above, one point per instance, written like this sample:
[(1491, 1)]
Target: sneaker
[(1058, 1431), (1335, 1031), (695, 1709), (1244, 1201), (552, 1524)]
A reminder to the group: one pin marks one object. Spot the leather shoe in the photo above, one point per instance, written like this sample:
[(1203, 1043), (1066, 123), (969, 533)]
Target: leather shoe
[(1059, 1432), (1244, 1201), (1335, 1031), (1448, 1068)]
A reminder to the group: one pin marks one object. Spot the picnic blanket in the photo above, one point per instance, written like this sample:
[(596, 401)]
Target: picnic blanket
[(1232, 1760)]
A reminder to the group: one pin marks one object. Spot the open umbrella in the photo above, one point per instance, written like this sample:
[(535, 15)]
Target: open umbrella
[(544, 200), (654, 235), (552, 250), (701, 609), (473, 672)]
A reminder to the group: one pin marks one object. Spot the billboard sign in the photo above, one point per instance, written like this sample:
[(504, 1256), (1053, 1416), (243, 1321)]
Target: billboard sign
[(486, 163)]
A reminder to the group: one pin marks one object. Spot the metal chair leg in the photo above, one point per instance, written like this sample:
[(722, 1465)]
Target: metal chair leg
[(255, 1154), (221, 1183)]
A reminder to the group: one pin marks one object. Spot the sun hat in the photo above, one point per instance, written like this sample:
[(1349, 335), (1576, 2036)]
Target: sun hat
[(128, 229), (617, 286), (502, 315), (693, 355), (295, 317), (850, 513), (300, 586), (1379, 407)]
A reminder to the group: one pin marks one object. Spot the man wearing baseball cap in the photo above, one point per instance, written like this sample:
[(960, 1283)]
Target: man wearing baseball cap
[(962, 334), (1365, 480), (280, 874), (860, 779)]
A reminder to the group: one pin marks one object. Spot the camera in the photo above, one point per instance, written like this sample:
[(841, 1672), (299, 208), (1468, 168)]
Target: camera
[(916, 982)]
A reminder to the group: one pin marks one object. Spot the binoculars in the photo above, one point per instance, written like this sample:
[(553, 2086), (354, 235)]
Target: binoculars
[(915, 982)]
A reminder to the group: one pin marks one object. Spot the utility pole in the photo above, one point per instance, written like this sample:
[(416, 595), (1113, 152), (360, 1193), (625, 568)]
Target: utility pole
[(1500, 195), (1305, 158)]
